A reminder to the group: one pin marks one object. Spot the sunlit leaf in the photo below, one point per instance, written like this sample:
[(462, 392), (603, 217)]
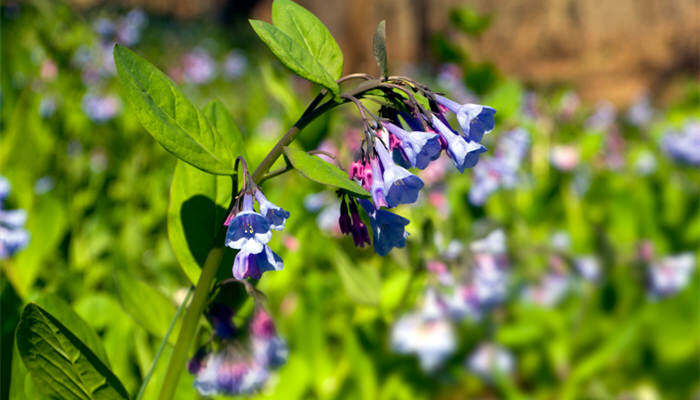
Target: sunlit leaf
[(306, 29), (170, 117), (294, 55), (379, 47), (322, 172)]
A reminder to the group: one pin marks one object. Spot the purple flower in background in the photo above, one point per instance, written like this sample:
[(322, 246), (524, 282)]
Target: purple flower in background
[(474, 120), (418, 148), (501, 170), (230, 373), (388, 228), (130, 27), (269, 349), (101, 108), (671, 274), (13, 236), (253, 265), (400, 186), (199, 68), (641, 112), (568, 105), (464, 153), (234, 65), (451, 78), (276, 216), (603, 117), (588, 267), (426, 333), (564, 157), (549, 291), (684, 146), (490, 360), (248, 230)]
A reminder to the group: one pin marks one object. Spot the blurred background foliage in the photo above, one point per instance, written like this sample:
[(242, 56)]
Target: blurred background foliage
[(96, 188)]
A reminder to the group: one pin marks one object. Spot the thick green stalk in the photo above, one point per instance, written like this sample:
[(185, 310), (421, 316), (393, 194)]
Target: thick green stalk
[(163, 343), (190, 322)]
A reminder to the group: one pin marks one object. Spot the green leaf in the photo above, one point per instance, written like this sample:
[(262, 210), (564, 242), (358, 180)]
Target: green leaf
[(379, 46), (361, 284), (306, 29), (59, 362), (22, 387), (226, 128), (293, 55), (322, 172), (197, 210), (170, 118), (147, 306), (72, 321)]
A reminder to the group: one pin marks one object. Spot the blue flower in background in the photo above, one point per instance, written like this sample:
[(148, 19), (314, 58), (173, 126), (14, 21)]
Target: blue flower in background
[(388, 228), (276, 216), (248, 231), (464, 153), (252, 265), (13, 236), (684, 146), (474, 120)]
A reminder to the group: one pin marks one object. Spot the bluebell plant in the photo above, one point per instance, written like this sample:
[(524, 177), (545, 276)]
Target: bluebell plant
[(13, 236)]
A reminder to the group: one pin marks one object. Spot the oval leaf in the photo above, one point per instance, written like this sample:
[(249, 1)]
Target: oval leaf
[(61, 364), (294, 55), (197, 210), (226, 128), (170, 118), (379, 45), (306, 29), (322, 172)]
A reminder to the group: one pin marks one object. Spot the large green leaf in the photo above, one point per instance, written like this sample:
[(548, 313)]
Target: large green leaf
[(294, 55), (304, 28), (22, 387), (147, 306), (60, 363), (197, 210), (322, 172), (171, 118), (379, 47), (221, 120)]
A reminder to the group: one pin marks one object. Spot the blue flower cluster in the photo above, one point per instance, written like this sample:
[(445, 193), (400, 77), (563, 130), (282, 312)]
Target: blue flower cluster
[(249, 232), (237, 367), (684, 146), (409, 137), (13, 236)]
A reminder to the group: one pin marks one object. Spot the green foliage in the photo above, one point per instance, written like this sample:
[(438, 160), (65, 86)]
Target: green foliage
[(171, 118), (61, 364), (317, 170), (293, 55), (307, 30), (196, 214)]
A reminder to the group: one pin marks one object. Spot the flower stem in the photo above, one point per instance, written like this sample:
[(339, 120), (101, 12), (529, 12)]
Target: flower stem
[(147, 378), (190, 323)]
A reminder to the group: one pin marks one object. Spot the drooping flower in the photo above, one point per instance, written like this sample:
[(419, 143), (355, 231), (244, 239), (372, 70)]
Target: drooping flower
[(464, 153), (269, 349), (490, 360), (377, 188), (400, 186), (360, 235), (419, 148), (220, 315), (275, 215), (248, 231), (388, 228), (230, 373), (474, 120), (253, 265)]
